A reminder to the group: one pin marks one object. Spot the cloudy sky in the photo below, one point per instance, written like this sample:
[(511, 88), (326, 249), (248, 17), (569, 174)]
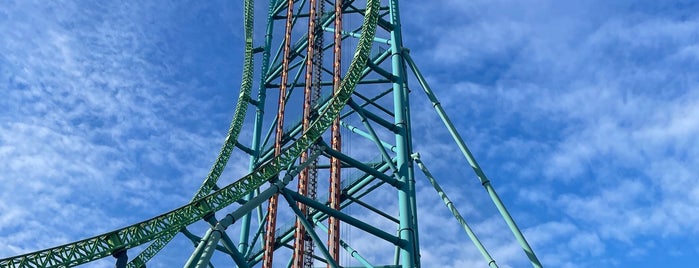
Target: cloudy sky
[(584, 115)]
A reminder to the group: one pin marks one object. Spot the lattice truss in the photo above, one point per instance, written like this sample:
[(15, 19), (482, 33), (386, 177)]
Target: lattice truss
[(323, 117)]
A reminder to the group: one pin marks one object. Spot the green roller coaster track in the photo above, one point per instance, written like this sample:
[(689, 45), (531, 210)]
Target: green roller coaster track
[(170, 223), (209, 198)]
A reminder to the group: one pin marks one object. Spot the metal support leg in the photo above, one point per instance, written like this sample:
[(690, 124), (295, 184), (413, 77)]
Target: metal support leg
[(408, 229), (474, 165), (229, 245), (309, 229), (457, 215), (198, 251), (354, 253)]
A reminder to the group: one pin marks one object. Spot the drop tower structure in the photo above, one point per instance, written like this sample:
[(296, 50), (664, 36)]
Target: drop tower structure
[(323, 116)]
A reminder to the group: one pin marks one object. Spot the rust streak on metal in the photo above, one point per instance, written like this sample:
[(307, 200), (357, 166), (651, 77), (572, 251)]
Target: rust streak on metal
[(300, 232), (270, 227), (335, 143)]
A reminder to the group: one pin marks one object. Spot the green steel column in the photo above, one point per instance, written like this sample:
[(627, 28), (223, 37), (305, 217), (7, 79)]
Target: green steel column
[(243, 245), (474, 165), (199, 250), (209, 249), (228, 244), (407, 228)]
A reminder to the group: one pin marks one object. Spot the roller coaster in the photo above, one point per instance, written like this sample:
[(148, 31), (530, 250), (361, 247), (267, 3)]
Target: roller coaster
[(367, 99)]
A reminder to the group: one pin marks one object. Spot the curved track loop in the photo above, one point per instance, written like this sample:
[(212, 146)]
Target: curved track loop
[(103, 245), (228, 145)]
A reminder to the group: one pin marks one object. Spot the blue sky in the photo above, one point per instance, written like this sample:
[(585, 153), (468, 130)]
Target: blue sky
[(584, 115)]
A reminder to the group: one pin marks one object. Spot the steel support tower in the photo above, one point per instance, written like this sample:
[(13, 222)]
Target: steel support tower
[(325, 111)]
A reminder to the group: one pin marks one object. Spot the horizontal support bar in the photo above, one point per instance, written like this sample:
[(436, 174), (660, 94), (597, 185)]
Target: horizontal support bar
[(346, 218)]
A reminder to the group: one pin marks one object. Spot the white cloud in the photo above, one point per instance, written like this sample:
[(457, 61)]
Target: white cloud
[(93, 129), (583, 117), (593, 120)]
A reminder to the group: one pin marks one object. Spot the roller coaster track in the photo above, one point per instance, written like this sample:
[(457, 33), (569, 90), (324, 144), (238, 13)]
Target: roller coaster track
[(161, 229)]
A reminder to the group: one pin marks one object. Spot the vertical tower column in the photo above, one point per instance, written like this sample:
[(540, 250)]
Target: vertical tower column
[(300, 231), (243, 245), (407, 231), (335, 142), (267, 261)]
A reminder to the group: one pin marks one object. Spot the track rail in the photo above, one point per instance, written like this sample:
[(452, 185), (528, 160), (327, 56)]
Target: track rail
[(236, 125), (170, 223)]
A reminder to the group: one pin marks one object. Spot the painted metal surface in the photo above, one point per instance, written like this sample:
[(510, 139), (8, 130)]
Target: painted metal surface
[(373, 91), (104, 245), (474, 165)]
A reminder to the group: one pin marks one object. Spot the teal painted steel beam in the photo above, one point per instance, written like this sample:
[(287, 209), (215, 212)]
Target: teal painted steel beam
[(320, 216), (277, 71), (243, 240), (280, 5), (355, 130), (396, 256), (346, 201), (198, 251), (359, 165), (209, 249), (258, 233), (472, 162), (388, 125), (381, 71), (373, 163), (377, 60), (244, 148), (214, 234), (353, 253), (351, 190), (380, 266), (329, 83), (407, 228), (348, 219), (228, 244), (305, 15), (196, 239), (455, 212), (354, 190), (373, 209), (373, 136), (367, 102), (354, 34), (309, 228), (383, 23), (373, 103), (202, 253)]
